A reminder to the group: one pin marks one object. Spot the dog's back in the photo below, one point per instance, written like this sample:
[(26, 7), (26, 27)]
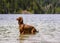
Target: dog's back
[(29, 29)]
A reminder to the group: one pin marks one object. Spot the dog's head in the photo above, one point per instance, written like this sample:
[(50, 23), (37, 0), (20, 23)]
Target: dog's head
[(20, 20)]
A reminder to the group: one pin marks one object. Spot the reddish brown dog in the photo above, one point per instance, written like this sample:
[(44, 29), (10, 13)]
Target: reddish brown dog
[(25, 29)]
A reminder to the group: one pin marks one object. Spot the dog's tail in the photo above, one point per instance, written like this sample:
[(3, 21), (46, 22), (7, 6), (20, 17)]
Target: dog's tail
[(34, 30), (37, 31)]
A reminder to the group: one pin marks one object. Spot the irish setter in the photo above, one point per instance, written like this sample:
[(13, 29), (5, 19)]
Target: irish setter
[(24, 28)]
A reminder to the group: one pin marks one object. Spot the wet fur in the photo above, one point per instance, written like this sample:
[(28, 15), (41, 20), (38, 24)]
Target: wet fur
[(24, 28)]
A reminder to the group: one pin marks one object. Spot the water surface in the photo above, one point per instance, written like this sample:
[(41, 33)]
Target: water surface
[(47, 25)]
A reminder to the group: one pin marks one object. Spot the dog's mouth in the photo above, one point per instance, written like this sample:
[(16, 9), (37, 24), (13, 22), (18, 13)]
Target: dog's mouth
[(19, 22)]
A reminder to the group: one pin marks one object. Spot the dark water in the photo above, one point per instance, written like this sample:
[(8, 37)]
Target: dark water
[(47, 25)]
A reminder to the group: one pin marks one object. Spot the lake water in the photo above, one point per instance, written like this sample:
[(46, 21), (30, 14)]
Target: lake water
[(47, 25)]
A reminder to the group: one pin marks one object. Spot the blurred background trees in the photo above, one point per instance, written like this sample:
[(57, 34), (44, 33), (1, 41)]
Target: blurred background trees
[(33, 6)]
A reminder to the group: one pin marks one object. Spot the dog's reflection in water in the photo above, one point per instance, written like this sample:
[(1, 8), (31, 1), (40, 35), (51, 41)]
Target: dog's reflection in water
[(24, 37)]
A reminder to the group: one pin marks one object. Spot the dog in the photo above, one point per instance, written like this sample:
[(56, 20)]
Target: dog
[(24, 28)]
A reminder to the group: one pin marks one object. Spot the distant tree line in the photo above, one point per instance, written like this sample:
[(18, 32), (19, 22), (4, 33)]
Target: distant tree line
[(33, 6)]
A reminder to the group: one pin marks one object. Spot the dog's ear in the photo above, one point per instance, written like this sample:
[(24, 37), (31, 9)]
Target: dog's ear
[(21, 20)]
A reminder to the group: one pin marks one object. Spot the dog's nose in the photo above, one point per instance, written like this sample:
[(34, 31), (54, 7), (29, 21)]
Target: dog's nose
[(17, 19)]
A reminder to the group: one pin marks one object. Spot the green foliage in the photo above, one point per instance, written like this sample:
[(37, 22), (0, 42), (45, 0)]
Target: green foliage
[(33, 6)]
